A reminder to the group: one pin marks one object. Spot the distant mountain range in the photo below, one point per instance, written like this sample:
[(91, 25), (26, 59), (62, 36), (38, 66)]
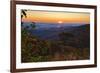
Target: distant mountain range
[(47, 30), (81, 33), (50, 25)]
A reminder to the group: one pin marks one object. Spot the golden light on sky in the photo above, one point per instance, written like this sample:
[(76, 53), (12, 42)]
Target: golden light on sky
[(56, 17)]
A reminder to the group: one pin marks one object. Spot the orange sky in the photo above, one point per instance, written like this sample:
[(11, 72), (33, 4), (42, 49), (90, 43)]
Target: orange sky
[(56, 17)]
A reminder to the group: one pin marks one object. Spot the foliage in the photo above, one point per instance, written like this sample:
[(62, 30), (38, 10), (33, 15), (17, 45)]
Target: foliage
[(37, 50)]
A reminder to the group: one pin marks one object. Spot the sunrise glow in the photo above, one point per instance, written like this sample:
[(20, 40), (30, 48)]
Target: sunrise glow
[(56, 17), (60, 22)]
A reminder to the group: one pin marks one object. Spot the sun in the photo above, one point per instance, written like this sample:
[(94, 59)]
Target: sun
[(60, 22)]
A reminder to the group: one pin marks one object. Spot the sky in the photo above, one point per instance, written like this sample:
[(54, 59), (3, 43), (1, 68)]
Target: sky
[(56, 17)]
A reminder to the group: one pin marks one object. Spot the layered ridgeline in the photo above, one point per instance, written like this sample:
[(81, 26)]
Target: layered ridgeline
[(55, 31), (61, 38)]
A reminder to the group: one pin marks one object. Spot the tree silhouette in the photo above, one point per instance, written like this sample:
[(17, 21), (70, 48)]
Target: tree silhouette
[(23, 14)]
